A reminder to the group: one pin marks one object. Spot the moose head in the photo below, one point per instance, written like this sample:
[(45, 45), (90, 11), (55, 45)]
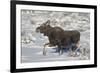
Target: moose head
[(44, 28)]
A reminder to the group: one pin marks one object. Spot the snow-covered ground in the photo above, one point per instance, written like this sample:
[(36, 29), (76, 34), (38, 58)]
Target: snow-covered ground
[(32, 42)]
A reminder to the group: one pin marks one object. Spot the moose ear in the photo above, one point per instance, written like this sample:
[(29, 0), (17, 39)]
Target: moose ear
[(43, 24), (48, 22)]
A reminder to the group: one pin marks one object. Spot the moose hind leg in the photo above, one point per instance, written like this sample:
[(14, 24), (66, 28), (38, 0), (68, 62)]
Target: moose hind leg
[(77, 48), (78, 45)]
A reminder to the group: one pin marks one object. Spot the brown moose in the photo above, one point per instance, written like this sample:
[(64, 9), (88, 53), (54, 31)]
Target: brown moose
[(59, 37)]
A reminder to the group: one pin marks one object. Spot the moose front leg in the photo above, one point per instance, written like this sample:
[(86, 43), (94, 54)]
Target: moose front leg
[(44, 49), (60, 49)]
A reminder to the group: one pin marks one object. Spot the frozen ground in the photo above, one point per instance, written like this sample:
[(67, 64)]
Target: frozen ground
[(32, 42)]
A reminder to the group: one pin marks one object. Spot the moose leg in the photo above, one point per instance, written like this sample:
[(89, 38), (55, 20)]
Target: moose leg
[(73, 49), (60, 49), (77, 48), (44, 49), (77, 45)]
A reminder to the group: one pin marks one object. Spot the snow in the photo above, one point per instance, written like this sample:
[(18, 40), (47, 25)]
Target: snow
[(33, 42)]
